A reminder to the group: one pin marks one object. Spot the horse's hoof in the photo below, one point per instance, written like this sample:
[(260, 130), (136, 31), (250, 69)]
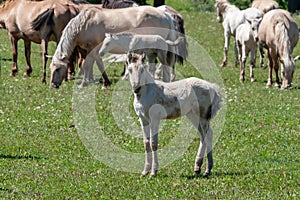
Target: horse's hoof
[(268, 86), (44, 81), (206, 174), (253, 80), (104, 87), (197, 174), (242, 80), (153, 173), (25, 75)]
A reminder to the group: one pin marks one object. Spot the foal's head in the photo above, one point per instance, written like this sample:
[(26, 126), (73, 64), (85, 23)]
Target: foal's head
[(136, 70)]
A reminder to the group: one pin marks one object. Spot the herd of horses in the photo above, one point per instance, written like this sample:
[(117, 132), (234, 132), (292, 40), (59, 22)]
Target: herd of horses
[(87, 31)]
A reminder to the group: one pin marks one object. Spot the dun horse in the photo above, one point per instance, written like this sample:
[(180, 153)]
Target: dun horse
[(87, 30), (265, 5), (57, 13), (278, 33), (154, 100)]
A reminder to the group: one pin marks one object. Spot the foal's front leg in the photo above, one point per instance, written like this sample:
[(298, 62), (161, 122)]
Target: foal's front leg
[(154, 126), (148, 152)]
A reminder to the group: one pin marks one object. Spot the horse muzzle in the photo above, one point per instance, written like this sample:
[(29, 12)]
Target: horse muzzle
[(53, 85)]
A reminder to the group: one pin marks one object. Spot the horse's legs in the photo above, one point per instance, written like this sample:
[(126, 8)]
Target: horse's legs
[(276, 68), (194, 118), (154, 126), (236, 54), (27, 45), (261, 56), (106, 81), (242, 50), (86, 67), (148, 152), (270, 66), (252, 63), (44, 45), (14, 45), (226, 46), (209, 140)]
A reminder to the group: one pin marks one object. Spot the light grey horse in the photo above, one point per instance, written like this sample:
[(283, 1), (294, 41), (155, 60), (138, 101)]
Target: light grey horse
[(154, 100)]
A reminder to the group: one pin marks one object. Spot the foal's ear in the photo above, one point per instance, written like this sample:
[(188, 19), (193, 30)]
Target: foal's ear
[(143, 57)]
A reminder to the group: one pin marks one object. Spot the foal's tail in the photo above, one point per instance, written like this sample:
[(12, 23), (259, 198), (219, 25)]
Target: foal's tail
[(215, 106)]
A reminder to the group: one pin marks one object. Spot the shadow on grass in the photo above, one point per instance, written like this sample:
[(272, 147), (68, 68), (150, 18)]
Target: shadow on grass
[(5, 156), (6, 189), (214, 174)]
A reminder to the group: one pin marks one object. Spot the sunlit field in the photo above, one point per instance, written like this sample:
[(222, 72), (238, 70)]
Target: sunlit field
[(44, 152)]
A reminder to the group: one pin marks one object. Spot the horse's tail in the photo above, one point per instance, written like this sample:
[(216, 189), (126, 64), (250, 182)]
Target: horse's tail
[(215, 106), (178, 21), (45, 18)]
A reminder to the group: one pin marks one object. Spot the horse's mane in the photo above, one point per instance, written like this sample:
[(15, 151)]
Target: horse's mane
[(66, 44), (7, 2), (281, 26)]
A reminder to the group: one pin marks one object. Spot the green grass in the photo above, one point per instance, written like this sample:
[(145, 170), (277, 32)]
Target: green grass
[(43, 156)]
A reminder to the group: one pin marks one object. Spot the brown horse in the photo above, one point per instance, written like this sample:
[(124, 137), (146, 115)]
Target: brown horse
[(28, 26), (278, 33)]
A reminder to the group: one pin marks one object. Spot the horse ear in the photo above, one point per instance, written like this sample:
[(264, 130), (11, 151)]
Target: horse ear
[(143, 57)]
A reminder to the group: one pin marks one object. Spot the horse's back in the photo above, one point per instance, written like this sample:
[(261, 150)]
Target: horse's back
[(266, 29)]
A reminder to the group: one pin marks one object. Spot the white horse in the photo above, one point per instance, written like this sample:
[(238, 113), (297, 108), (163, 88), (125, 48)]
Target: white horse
[(232, 17), (246, 39), (154, 100), (153, 45)]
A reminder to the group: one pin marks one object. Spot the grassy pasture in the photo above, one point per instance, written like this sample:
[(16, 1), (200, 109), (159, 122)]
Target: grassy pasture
[(43, 156)]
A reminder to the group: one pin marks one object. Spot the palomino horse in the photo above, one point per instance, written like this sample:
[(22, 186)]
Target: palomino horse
[(28, 26), (232, 17), (154, 100), (278, 33), (265, 5), (153, 45), (87, 30)]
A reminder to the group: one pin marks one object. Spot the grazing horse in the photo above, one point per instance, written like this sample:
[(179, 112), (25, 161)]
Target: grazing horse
[(28, 26), (265, 5), (246, 40), (154, 100), (153, 45), (278, 33), (232, 17), (87, 30)]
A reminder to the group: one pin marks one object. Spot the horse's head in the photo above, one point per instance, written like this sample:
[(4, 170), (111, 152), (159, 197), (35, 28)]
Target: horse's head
[(220, 8), (254, 24), (136, 70), (58, 74), (287, 72)]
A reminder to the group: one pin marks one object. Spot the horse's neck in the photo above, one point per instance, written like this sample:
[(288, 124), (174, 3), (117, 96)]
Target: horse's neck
[(230, 9), (5, 10)]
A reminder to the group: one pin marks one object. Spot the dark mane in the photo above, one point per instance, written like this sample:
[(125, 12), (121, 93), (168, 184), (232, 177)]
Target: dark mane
[(112, 4)]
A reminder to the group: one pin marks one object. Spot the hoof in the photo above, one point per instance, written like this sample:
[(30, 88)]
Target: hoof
[(153, 174), (206, 174), (25, 75), (268, 86), (197, 174), (242, 80), (252, 80)]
